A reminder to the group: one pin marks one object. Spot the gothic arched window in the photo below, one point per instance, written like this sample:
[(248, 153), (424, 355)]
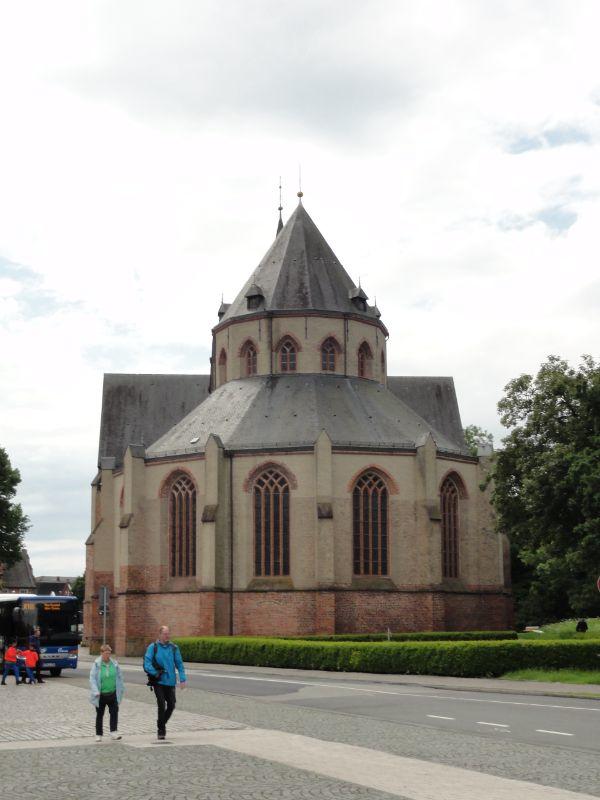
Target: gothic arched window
[(182, 528), (271, 524), (222, 367), (449, 504), (329, 348), (382, 366), (370, 521), (287, 356), (365, 357), (249, 357)]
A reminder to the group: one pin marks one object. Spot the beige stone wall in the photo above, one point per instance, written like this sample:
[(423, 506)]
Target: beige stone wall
[(309, 333), (480, 548)]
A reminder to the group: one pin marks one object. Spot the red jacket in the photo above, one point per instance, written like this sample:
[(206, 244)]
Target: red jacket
[(31, 658), (10, 655)]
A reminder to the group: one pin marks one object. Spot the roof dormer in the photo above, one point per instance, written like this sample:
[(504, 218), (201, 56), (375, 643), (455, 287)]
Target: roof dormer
[(255, 297)]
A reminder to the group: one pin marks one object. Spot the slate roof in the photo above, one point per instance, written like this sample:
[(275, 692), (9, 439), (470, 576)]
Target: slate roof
[(139, 409), (292, 410), (300, 271), (157, 403), (434, 399), (20, 575)]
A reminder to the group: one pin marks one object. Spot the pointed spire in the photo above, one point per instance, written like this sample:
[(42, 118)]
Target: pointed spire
[(280, 223)]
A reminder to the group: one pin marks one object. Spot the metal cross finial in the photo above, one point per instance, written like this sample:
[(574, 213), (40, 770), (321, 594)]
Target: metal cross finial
[(300, 193), (280, 209)]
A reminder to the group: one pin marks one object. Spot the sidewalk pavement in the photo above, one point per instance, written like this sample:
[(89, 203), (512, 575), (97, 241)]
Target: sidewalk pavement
[(426, 681)]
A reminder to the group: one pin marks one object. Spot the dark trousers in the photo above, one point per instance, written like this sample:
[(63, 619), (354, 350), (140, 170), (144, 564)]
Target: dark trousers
[(109, 700), (165, 700), (10, 666), (38, 669)]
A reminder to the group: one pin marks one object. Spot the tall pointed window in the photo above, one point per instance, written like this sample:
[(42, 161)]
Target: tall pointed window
[(182, 528), (382, 367), (328, 354), (222, 367), (249, 359), (365, 357), (449, 503), (271, 524), (370, 520), (287, 356)]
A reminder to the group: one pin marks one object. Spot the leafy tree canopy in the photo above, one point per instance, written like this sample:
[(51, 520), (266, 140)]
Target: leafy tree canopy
[(547, 488), (477, 437), (78, 587), (13, 523)]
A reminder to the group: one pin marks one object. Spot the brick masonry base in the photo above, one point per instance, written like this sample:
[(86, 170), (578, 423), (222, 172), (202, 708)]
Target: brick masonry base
[(136, 617)]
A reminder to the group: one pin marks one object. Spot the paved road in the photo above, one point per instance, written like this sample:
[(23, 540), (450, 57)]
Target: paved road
[(246, 734), (536, 720)]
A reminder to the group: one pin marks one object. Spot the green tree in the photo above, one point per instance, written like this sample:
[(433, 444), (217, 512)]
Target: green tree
[(547, 489), (13, 523), (476, 437), (78, 587)]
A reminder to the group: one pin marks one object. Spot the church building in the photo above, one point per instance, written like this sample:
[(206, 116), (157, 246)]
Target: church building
[(298, 488)]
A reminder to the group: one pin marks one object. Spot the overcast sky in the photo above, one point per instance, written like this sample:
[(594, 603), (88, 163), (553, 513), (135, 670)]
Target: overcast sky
[(450, 155)]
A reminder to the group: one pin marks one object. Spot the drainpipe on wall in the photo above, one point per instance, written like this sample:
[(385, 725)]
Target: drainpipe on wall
[(345, 346), (270, 344), (230, 456)]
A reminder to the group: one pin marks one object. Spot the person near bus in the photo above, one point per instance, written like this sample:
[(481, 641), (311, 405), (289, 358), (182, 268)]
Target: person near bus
[(34, 644), (161, 662), (31, 659), (10, 663), (107, 687)]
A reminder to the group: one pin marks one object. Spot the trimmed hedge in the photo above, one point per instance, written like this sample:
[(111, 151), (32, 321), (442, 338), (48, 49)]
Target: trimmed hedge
[(421, 636), (466, 659)]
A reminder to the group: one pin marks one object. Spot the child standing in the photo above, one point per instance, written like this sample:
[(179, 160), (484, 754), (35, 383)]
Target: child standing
[(10, 663), (31, 659)]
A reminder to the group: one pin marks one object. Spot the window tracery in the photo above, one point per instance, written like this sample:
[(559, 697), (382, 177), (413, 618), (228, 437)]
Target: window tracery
[(182, 528), (370, 520), (271, 524)]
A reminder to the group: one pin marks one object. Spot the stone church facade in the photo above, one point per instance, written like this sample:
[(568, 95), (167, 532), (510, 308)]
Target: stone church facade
[(296, 489)]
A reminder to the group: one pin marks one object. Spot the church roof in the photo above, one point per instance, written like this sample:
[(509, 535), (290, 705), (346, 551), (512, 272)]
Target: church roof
[(292, 410), (20, 575), (138, 409), (434, 399), (300, 271), (145, 407)]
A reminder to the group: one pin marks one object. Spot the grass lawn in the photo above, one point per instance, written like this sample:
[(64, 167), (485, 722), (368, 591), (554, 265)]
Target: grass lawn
[(565, 630), (556, 675)]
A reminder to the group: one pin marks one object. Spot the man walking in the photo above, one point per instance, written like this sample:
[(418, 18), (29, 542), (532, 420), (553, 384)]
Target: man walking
[(160, 662)]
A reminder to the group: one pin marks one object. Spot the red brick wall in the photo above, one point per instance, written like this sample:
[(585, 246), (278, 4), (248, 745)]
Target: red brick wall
[(137, 616)]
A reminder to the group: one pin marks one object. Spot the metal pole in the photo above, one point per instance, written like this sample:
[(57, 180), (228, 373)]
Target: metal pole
[(104, 623)]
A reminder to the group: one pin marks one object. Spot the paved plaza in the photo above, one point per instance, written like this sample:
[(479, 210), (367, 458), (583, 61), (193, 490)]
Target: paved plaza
[(47, 745)]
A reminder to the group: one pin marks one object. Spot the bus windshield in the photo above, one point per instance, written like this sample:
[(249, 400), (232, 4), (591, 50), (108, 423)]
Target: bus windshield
[(57, 618)]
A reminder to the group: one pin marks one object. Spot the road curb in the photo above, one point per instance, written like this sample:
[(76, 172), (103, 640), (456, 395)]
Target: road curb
[(587, 692)]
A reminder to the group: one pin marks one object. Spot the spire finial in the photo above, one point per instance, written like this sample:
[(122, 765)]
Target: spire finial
[(280, 209), (300, 193)]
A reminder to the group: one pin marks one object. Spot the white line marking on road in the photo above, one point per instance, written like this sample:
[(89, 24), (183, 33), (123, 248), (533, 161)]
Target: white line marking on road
[(374, 691), (437, 716), (495, 724), (556, 733)]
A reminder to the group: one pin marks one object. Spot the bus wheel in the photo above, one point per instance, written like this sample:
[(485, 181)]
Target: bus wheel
[(55, 672)]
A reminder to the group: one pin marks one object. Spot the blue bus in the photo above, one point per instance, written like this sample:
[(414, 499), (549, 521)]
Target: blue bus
[(58, 620)]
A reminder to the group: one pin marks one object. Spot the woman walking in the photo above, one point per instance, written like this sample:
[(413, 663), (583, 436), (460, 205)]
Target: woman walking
[(106, 684)]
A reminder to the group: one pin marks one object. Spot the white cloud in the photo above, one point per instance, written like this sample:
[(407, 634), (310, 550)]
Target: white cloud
[(449, 155)]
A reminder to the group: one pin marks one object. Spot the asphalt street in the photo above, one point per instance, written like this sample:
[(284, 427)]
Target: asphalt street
[(243, 733), (536, 720)]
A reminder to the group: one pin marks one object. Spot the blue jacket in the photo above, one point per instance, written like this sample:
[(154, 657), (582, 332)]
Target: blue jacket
[(95, 682), (168, 658)]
